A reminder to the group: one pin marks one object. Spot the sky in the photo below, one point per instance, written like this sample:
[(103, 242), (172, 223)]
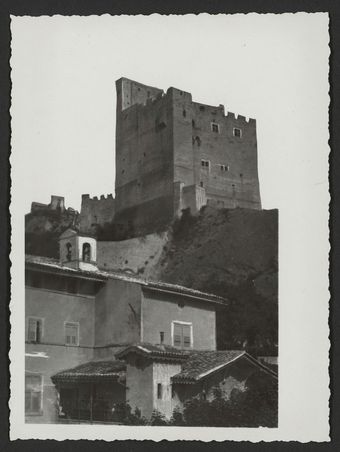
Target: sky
[(268, 67)]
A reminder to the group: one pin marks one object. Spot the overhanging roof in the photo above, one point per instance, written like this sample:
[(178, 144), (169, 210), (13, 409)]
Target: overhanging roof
[(50, 265), (93, 371)]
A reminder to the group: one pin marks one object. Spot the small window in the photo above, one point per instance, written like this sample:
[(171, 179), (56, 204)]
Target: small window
[(68, 251), (201, 184), (33, 394), (173, 392), (184, 113), (159, 391), (202, 107), (86, 252), (237, 132), (205, 163), (71, 333), (34, 333), (161, 334), (224, 168), (215, 127)]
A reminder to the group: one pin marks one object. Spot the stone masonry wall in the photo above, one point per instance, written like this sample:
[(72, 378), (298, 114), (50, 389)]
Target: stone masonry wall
[(96, 211)]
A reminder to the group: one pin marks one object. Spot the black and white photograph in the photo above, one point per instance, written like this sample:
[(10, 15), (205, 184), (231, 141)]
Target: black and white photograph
[(170, 227)]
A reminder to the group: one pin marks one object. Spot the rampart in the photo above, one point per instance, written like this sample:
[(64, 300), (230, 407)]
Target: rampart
[(96, 211)]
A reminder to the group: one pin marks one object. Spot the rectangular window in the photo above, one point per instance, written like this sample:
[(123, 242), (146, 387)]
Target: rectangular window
[(224, 168), (34, 332), (33, 394), (215, 127), (71, 333), (159, 390), (237, 132), (182, 335), (205, 163)]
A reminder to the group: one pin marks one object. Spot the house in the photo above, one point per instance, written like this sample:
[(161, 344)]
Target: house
[(96, 338)]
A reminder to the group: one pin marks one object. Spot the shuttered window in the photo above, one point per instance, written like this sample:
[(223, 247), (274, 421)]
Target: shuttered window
[(34, 332), (71, 333), (182, 335)]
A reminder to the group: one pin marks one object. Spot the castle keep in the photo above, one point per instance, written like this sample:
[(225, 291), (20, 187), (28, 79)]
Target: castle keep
[(173, 154)]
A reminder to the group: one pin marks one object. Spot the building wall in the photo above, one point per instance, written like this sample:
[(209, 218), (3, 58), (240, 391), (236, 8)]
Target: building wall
[(96, 211), (162, 373), (139, 384), (118, 313), (56, 308), (159, 311), (139, 255)]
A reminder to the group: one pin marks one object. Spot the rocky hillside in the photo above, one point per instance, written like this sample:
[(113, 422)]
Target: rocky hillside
[(232, 253), (43, 228)]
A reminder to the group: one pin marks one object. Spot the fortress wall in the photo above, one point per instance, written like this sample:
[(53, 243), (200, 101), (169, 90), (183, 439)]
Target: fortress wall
[(139, 255), (239, 184), (144, 169), (96, 211), (182, 136)]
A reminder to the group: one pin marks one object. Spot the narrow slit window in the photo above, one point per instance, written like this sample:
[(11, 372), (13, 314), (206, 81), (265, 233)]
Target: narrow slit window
[(159, 391)]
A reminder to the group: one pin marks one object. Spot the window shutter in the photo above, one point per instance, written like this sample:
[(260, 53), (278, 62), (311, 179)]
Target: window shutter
[(71, 334), (186, 336), (32, 330), (177, 335)]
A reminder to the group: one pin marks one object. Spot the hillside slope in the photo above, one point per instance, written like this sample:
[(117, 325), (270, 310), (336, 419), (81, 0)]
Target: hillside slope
[(232, 253)]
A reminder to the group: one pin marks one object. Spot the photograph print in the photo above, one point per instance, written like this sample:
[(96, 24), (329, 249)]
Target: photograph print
[(151, 192)]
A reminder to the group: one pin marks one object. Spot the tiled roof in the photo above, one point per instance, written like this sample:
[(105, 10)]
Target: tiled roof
[(92, 371), (154, 351), (200, 364), (54, 264)]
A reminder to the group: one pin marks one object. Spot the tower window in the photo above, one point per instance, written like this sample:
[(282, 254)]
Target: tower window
[(161, 334), (201, 184), (237, 132), (205, 163), (224, 167), (159, 391), (184, 113), (86, 252), (215, 127)]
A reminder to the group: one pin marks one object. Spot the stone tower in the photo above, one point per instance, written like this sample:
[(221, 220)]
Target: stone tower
[(173, 153)]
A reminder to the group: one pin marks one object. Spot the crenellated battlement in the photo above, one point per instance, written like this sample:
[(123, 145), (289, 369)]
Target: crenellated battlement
[(96, 211), (164, 139)]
